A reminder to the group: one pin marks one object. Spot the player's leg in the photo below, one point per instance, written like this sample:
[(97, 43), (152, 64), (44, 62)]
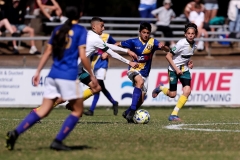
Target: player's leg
[(109, 97), (90, 112), (137, 93), (84, 77), (185, 79), (72, 91), (33, 117), (170, 92)]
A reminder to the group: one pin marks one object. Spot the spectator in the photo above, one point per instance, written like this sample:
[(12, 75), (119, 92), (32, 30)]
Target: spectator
[(190, 7), (146, 7), (197, 16), (15, 14), (164, 16), (48, 9), (211, 8), (234, 15)]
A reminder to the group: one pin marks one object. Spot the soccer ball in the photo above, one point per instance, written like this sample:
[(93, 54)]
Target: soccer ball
[(141, 116)]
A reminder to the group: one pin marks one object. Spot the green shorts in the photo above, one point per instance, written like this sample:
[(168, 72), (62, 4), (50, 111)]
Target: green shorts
[(185, 79), (84, 77)]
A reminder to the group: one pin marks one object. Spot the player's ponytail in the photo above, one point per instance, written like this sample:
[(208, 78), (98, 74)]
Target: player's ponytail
[(60, 40)]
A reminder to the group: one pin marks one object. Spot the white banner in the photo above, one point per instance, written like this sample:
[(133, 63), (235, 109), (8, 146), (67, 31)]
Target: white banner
[(209, 87)]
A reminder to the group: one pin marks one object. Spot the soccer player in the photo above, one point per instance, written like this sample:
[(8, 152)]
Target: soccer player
[(179, 64), (99, 63), (94, 42), (144, 46), (67, 44)]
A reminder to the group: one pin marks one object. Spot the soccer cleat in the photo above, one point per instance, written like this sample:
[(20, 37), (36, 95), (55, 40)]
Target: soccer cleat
[(174, 118), (11, 139), (88, 113), (115, 108), (124, 114), (157, 90), (59, 146), (129, 116)]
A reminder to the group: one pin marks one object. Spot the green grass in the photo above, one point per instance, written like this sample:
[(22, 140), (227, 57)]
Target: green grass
[(107, 137)]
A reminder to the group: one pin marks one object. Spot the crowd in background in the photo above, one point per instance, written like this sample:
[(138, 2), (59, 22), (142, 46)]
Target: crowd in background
[(203, 13)]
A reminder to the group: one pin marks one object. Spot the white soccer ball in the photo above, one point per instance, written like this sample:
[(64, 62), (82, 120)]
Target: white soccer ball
[(141, 116)]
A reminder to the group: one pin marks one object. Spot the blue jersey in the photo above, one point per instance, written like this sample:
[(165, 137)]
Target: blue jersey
[(144, 52), (96, 59), (67, 67)]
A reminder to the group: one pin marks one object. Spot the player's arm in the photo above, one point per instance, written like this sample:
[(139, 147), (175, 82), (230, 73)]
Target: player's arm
[(42, 63), (103, 46), (128, 46), (86, 63), (120, 49), (190, 64), (169, 58)]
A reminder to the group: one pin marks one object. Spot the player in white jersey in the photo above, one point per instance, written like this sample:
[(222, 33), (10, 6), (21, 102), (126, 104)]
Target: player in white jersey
[(95, 42), (179, 64)]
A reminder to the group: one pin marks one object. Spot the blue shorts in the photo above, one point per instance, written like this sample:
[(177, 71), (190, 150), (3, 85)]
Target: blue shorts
[(211, 6), (19, 27)]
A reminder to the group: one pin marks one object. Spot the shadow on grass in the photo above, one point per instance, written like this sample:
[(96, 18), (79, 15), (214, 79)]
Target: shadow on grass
[(99, 122), (73, 148)]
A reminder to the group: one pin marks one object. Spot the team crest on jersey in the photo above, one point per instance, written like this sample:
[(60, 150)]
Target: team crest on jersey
[(174, 49), (171, 78), (149, 47)]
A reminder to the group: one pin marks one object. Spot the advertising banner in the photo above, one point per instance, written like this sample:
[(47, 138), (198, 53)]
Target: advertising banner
[(215, 87)]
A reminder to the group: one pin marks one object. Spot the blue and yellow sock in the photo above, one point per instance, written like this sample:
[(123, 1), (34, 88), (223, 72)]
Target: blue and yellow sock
[(67, 127), (87, 93), (137, 93)]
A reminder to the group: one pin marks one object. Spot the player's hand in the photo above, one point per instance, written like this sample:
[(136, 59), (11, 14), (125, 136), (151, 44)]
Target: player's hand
[(133, 64), (190, 64), (132, 54), (104, 55), (36, 79), (94, 81), (179, 72), (163, 47)]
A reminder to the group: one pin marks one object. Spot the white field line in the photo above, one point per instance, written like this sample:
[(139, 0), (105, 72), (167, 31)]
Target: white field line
[(183, 127)]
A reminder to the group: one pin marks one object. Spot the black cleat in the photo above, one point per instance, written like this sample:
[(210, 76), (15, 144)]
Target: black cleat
[(59, 146), (129, 116), (88, 113), (11, 139), (115, 108), (124, 114)]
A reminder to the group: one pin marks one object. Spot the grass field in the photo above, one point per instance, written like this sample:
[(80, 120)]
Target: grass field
[(213, 134)]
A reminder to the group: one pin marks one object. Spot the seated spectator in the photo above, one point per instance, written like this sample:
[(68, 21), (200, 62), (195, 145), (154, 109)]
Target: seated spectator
[(190, 7), (146, 7), (15, 14), (234, 16), (48, 8), (164, 16), (197, 16)]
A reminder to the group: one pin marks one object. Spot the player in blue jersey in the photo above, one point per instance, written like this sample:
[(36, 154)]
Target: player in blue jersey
[(67, 44), (144, 46), (99, 63)]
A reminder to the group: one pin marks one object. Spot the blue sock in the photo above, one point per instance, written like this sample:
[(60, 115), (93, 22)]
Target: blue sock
[(94, 102), (67, 127), (109, 97), (137, 93), (31, 119)]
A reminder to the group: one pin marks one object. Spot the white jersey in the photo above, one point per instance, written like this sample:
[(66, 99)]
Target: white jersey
[(182, 53), (95, 42)]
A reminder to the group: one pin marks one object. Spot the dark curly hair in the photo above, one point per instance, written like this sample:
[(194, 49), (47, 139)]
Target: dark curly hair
[(145, 25), (191, 25)]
